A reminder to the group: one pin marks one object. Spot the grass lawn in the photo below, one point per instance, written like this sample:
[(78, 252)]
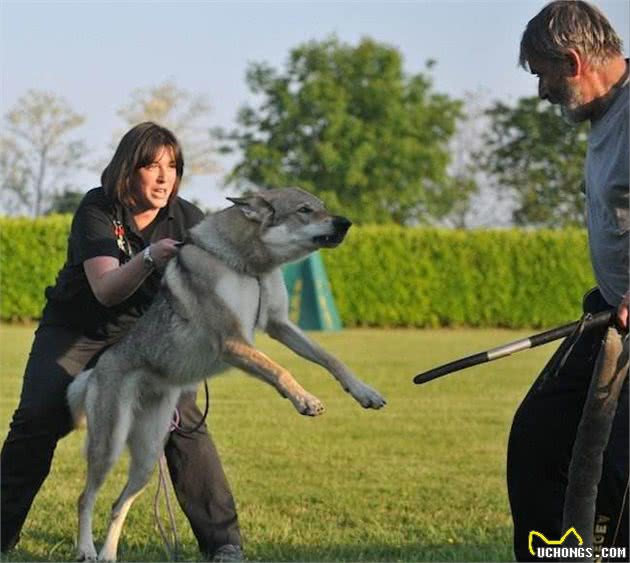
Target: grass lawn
[(421, 480)]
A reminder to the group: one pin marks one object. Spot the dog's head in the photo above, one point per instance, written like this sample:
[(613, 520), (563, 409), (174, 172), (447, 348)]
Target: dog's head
[(292, 222)]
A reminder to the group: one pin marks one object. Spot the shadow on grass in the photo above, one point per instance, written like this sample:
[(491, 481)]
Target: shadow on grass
[(63, 549), (478, 551)]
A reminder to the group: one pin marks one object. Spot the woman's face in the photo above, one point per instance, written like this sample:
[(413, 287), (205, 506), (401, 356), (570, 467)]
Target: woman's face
[(155, 181)]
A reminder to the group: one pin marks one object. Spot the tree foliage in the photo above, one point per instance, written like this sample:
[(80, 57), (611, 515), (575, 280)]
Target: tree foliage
[(36, 155), (533, 152), (182, 113), (464, 169), (349, 125), (65, 202)]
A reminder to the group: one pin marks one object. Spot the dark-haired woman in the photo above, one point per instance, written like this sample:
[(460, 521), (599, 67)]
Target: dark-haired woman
[(122, 235)]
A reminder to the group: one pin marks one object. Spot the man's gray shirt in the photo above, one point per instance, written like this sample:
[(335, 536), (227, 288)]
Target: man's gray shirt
[(607, 195)]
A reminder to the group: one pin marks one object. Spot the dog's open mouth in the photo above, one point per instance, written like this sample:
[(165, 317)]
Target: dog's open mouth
[(340, 227), (329, 241)]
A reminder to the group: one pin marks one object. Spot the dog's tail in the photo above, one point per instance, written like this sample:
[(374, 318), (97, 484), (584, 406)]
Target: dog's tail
[(76, 397)]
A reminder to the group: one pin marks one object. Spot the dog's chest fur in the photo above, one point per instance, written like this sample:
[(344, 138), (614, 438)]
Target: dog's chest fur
[(201, 279), (242, 295)]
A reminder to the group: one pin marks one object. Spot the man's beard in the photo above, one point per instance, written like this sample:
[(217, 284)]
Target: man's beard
[(573, 110)]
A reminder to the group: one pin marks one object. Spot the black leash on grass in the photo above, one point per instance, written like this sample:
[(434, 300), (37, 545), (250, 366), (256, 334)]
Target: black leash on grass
[(171, 543), (587, 322), (175, 427)]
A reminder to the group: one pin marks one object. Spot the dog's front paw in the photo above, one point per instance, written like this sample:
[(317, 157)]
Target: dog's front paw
[(87, 554), (366, 396), (308, 405)]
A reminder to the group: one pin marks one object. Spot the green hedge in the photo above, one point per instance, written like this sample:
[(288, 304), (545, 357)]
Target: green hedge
[(31, 253), (381, 276), (391, 276)]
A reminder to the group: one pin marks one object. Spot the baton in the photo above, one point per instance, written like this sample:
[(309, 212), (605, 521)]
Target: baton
[(590, 321)]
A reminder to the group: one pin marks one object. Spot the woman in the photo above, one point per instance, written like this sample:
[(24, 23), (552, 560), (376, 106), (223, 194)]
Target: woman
[(122, 236)]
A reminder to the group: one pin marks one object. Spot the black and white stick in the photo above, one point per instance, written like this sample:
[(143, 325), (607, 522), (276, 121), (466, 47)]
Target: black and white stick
[(590, 321)]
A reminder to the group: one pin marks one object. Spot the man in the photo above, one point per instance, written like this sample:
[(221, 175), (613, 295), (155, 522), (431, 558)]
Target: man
[(576, 55)]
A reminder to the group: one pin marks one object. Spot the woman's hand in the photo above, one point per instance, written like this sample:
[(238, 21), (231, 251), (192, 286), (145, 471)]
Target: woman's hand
[(112, 282), (162, 251)]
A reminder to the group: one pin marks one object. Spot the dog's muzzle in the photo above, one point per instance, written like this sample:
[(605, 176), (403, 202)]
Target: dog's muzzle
[(340, 228)]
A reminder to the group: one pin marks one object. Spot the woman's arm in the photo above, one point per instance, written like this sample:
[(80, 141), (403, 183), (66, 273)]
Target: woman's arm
[(622, 311), (112, 283)]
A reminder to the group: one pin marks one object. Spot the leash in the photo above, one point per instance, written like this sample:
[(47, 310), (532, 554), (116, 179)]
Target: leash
[(587, 322), (182, 431), (171, 541), (171, 544)]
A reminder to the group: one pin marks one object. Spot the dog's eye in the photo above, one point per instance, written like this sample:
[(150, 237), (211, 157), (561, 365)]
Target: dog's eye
[(305, 209)]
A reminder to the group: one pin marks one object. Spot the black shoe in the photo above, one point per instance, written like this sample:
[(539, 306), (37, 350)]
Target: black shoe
[(228, 553), (7, 546)]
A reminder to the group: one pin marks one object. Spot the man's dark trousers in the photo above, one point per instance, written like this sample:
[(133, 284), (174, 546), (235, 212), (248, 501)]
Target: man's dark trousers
[(541, 442)]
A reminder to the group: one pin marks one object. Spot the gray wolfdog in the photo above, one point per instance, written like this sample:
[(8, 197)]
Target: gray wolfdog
[(224, 283)]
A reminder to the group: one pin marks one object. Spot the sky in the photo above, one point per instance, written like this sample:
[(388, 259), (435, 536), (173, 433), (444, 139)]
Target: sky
[(94, 54)]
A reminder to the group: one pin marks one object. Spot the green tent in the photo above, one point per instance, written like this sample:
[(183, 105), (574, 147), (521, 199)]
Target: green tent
[(312, 305)]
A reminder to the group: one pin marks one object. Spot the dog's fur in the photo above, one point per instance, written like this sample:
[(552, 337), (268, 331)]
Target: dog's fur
[(223, 284)]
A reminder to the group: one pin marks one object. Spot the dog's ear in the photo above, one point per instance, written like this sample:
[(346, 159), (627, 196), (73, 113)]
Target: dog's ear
[(254, 207)]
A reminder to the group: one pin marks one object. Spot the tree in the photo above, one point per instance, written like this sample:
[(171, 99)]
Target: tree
[(181, 112), (533, 152), (464, 168), (37, 157), (65, 202), (347, 124)]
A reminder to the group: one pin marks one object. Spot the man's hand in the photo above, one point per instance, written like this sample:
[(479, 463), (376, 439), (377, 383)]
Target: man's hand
[(622, 312)]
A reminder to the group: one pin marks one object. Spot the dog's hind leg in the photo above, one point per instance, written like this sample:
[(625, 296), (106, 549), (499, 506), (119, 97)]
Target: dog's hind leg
[(146, 443), (106, 440), (95, 478)]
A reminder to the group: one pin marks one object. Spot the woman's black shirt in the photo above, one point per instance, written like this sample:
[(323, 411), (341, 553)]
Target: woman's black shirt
[(101, 227)]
